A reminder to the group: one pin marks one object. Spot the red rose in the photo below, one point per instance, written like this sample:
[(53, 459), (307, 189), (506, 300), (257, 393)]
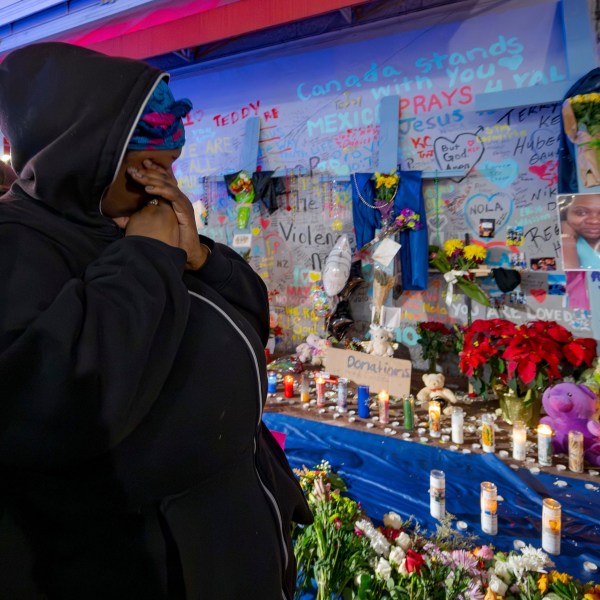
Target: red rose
[(414, 561)]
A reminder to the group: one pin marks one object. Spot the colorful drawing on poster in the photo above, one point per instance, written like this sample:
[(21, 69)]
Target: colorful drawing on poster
[(557, 285), (487, 228), (515, 236), (580, 231)]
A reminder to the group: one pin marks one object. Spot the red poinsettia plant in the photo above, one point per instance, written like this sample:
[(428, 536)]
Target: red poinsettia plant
[(525, 358)]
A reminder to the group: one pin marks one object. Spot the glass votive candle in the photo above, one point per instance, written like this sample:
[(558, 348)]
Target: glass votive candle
[(342, 398), (304, 388), (544, 441), (362, 398), (489, 508), (271, 382), (383, 399), (408, 405), (437, 494), (434, 410), (288, 386), (458, 425), (488, 437), (576, 451), (519, 440), (320, 385), (551, 526)]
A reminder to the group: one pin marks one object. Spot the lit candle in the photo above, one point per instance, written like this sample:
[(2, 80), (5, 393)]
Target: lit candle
[(488, 439), (551, 526), (304, 388), (342, 399), (576, 451), (271, 382), (545, 449), (363, 401), (519, 439), (320, 383), (434, 418), (489, 508), (384, 406), (458, 425), (409, 412), (288, 386), (437, 494)]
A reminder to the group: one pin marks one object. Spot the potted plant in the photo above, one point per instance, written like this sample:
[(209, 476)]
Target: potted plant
[(521, 361)]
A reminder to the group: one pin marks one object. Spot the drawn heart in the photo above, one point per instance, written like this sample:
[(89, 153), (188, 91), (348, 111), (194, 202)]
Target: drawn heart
[(221, 219), (546, 172), (539, 294), (264, 223), (511, 62), (314, 275), (501, 173), (255, 231), (498, 206), (463, 152)]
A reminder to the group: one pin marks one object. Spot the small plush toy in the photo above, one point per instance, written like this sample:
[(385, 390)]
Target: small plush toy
[(434, 389), (380, 343), (313, 350), (572, 406)]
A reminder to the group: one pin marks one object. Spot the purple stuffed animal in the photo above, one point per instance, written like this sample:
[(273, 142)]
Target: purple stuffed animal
[(573, 406)]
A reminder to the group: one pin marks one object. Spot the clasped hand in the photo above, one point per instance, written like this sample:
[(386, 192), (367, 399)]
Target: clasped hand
[(172, 219)]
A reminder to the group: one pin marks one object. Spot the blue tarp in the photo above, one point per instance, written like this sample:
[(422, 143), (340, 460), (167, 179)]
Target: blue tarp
[(386, 474)]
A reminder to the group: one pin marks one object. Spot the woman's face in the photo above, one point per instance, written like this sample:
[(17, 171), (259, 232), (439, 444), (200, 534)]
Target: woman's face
[(125, 196), (584, 217)]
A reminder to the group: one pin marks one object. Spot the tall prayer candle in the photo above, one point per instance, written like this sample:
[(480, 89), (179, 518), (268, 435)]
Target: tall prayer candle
[(434, 418), (545, 449), (409, 412), (271, 382), (489, 508), (551, 526), (488, 439), (342, 399), (320, 383), (458, 425), (363, 401), (437, 494), (576, 451), (519, 439), (384, 406), (304, 388)]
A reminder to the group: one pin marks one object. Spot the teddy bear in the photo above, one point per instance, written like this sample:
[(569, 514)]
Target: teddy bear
[(380, 343), (572, 406), (434, 389), (312, 350)]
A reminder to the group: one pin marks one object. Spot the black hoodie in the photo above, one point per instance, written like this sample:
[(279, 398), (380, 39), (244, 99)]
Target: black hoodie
[(133, 460)]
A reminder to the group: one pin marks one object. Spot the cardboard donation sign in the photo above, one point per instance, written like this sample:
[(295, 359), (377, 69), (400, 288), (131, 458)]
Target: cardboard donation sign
[(378, 372)]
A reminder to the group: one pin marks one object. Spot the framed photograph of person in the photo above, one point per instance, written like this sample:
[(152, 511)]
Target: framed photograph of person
[(487, 228), (579, 216)]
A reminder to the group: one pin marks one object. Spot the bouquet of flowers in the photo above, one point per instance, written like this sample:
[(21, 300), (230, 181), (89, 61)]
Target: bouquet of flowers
[(524, 358), (242, 190), (382, 284), (581, 122), (386, 188), (407, 220), (435, 340), (455, 261)]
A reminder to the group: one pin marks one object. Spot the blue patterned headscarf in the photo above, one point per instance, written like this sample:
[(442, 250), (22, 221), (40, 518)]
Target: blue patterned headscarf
[(161, 124)]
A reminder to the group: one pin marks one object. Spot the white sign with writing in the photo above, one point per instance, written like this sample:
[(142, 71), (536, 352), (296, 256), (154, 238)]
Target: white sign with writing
[(378, 372)]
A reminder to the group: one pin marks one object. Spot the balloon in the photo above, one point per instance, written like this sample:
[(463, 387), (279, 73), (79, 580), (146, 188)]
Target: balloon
[(337, 267)]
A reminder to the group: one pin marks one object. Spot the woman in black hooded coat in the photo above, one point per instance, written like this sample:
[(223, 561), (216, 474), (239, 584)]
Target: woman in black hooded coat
[(133, 460)]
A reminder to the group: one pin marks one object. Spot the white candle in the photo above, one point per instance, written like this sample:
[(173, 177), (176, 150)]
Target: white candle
[(384, 406), (576, 451), (437, 494), (458, 425), (545, 450), (519, 437), (551, 526), (489, 508)]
